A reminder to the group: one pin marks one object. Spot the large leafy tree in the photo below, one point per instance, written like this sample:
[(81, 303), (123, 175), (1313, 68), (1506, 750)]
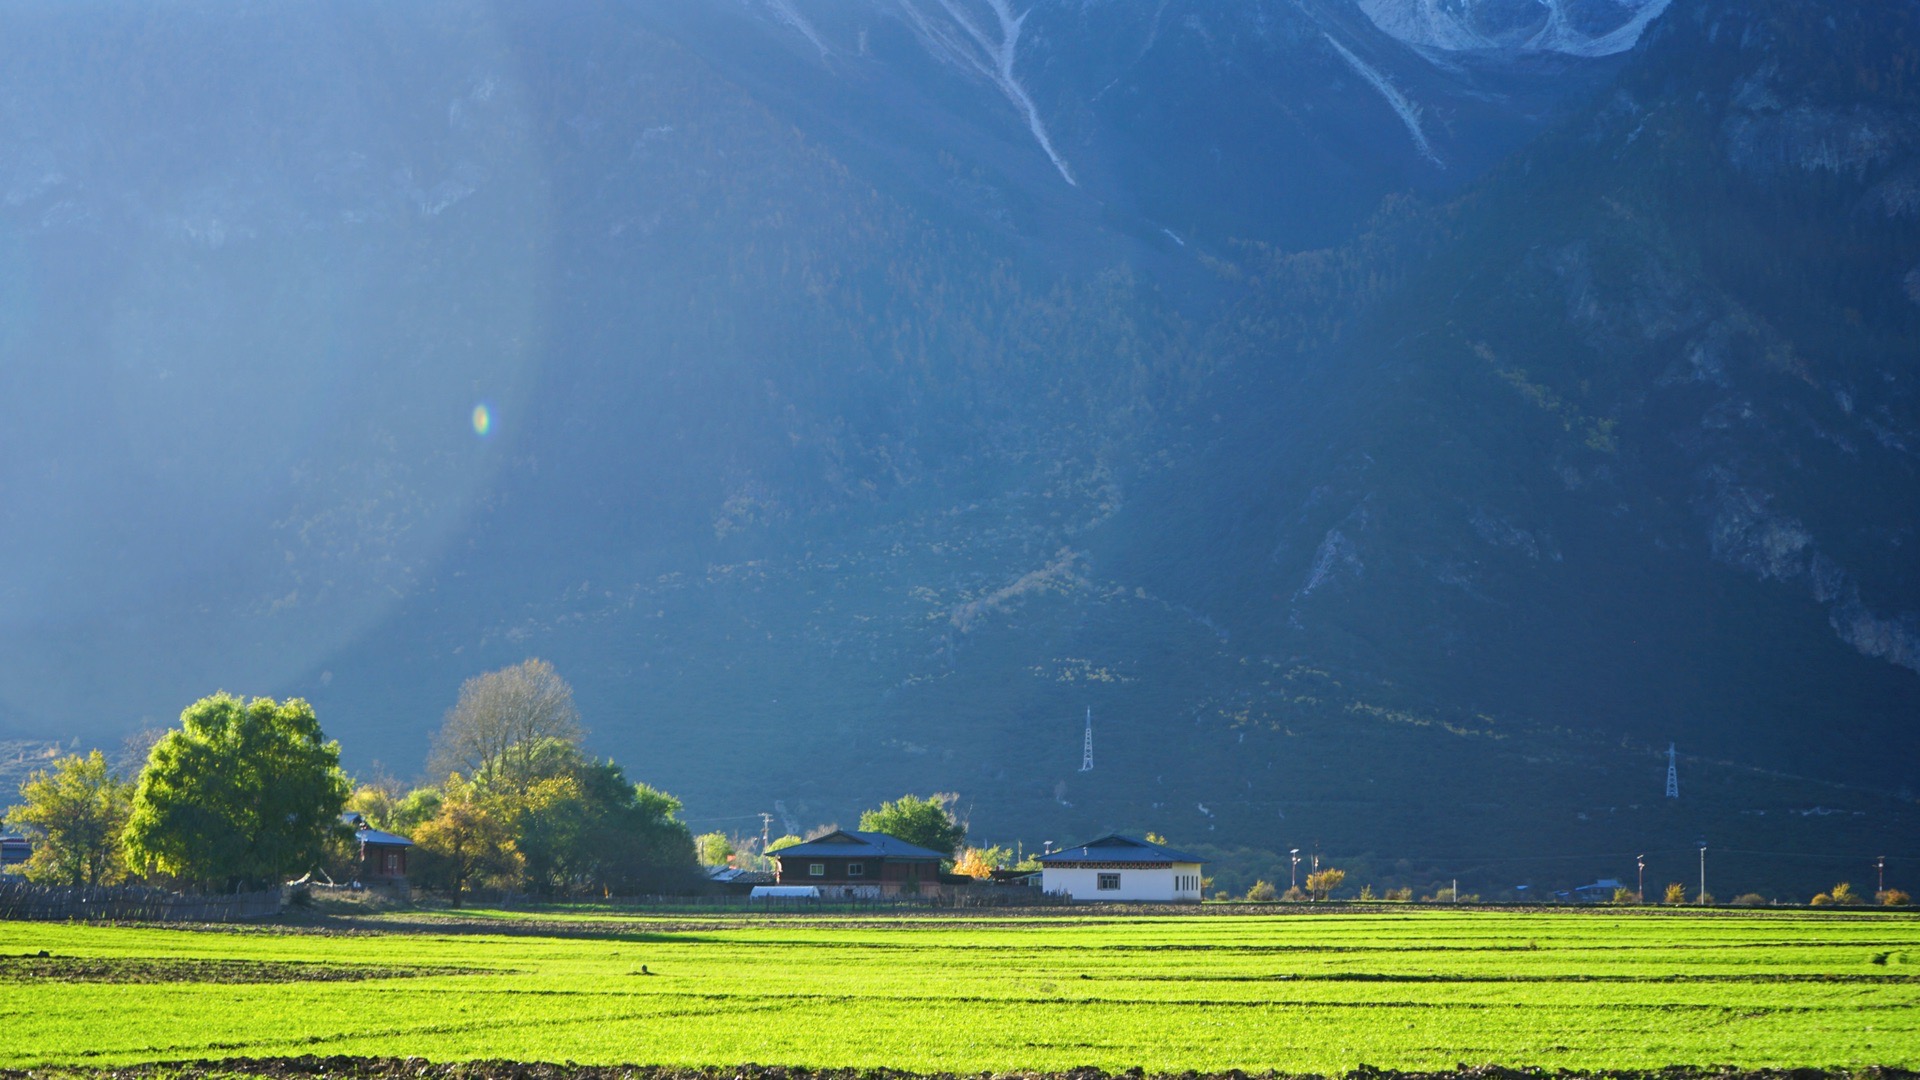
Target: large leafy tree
[(242, 794), (644, 845), (582, 825), (928, 822), (76, 811)]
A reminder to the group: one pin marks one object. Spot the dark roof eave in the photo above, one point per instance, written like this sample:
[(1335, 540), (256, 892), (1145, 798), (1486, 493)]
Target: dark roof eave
[(1129, 850)]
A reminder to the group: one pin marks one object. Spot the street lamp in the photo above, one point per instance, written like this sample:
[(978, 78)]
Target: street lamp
[(1293, 882), (1640, 864), (1702, 898), (1880, 864)]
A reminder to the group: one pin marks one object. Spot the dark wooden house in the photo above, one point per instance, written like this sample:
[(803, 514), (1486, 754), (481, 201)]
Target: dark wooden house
[(861, 865), (382, 855)]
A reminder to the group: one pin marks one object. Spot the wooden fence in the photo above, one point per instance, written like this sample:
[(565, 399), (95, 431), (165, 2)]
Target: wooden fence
[(130, 903)]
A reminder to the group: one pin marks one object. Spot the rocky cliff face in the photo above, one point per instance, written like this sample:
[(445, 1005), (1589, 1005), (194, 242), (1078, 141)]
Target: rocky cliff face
[(1659, 369)]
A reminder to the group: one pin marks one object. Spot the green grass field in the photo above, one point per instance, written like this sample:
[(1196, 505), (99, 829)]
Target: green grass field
[(1321, 993)]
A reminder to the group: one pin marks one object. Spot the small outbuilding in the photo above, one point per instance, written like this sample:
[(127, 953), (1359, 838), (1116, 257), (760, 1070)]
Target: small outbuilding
[(383, 855), (848, 865), (14, 850), (784, 893), (1117, 867)]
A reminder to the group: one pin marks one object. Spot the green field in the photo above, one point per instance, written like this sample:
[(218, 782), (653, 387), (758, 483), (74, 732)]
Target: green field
[(1296, 993)]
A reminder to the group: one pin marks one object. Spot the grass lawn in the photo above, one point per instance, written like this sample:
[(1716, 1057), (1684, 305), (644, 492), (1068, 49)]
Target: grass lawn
[(1322, 993)]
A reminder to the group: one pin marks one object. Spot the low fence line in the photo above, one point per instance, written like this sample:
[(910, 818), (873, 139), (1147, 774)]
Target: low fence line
[(129, 903)]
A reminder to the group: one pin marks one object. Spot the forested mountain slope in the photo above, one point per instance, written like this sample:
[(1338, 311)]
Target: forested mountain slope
[(1395, 431)]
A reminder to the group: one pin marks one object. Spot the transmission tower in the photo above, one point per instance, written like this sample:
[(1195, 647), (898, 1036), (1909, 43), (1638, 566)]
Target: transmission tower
[(1673, 775), (1086, 755)]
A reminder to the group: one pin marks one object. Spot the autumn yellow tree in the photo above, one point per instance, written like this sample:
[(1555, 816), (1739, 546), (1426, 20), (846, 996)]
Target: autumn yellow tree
[(468, 840), (980, 863), (1321, 883)]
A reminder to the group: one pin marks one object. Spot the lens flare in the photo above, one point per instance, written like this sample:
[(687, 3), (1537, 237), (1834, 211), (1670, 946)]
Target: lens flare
[(482, 420)]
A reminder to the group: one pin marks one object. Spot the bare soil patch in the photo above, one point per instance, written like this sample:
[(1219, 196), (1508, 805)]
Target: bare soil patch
[(154, 969)]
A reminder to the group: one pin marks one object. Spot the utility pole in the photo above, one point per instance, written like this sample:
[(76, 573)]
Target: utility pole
[(1673, 775), (1702, 898), (1640, 893), (1293, 882), (1086, 756), (1880, 864), (766, 827)]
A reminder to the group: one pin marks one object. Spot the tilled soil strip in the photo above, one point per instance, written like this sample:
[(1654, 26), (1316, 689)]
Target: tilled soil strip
[(169, 970)]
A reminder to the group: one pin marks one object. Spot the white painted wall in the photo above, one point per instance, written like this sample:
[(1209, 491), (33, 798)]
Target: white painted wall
[(1136, 883)]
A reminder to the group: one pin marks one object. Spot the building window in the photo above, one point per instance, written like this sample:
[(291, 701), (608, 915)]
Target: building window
[(817, 869), (856, 869), (1109, 881)]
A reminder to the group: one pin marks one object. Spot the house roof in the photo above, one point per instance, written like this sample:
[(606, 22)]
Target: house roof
[(848, 844), (731, 875), (375, 836), (1114, 848), (367, 834)]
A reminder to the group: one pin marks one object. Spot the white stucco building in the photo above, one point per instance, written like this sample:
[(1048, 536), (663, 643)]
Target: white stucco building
[(1121, 868)]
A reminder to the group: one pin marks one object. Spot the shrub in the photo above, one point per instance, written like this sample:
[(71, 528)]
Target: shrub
[(1843, 894), (1625, 896), (1403, 894), (1751, 899), (1676, 893), (1893, 898), (1262, 892)]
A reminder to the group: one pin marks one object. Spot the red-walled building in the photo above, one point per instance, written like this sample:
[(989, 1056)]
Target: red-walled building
[(383, 855)]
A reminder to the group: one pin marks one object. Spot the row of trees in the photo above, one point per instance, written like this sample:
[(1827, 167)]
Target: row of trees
[(244, 794)]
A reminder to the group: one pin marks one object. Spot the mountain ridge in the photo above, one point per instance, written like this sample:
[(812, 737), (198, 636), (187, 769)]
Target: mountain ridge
[(840, 447)]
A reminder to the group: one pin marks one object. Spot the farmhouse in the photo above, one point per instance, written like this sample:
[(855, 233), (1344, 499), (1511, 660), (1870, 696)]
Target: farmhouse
[(1119, 867), (383, 855), (848, 865)]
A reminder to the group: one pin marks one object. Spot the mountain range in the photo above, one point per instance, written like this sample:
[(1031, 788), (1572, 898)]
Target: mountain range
[(1396, 421)]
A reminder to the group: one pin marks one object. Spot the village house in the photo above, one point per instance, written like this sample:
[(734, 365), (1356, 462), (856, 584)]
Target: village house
[(382, 855), (14, 850), (848, 865), (1119, 867)]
